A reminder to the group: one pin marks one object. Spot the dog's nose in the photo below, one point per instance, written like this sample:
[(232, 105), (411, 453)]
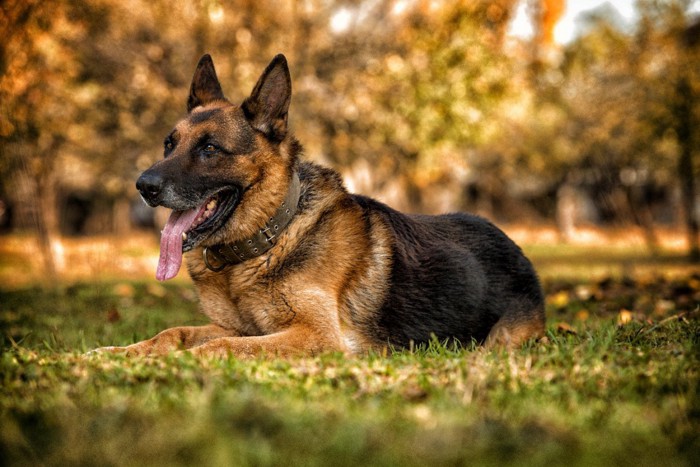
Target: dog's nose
[(150, 186)]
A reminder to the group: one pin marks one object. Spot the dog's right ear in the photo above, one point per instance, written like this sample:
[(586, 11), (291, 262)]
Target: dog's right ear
[(205, 86)]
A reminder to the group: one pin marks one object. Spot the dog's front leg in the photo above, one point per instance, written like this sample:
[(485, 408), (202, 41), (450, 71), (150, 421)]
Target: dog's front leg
[(172, 339), (290, 342)]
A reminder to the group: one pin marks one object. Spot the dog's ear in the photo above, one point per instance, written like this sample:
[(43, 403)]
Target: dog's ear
[(205, 86), (268, 104)]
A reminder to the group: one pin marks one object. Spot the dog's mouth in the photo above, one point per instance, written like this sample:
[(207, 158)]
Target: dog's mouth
[(186, 229), (216, 211)]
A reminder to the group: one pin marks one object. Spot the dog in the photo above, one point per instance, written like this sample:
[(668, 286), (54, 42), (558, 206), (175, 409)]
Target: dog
[(287, 262)]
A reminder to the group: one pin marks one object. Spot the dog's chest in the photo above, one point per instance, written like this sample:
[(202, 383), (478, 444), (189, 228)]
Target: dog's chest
[(260, 306)]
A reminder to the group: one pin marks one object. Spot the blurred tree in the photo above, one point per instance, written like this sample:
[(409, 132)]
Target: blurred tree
[(616, 115), (606, 98), (81, 89), (673, 74), (685, 110), (631, 99), (432, 76), (37, 61), (422, 94)]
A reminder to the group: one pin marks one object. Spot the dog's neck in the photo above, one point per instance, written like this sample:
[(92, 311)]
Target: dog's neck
[(217, 257)]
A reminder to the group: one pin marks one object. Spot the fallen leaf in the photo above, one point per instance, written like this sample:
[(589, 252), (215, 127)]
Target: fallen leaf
[(624, 317), (565, 328), (124, 290), (582, 315), (113, 315), (662, 307), (583, 292), (559, 299), (156, 290)]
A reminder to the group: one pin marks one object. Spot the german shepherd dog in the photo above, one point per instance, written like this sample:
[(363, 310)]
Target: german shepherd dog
[(287, 262)]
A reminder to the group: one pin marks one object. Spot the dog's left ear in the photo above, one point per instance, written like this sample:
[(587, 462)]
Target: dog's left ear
[(205, 86), (268, 104)]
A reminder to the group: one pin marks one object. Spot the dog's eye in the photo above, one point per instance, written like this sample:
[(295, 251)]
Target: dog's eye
[(168, 146), (210, 149)]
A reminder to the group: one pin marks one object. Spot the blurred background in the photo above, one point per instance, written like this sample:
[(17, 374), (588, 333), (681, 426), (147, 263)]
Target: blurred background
[(539, 114)]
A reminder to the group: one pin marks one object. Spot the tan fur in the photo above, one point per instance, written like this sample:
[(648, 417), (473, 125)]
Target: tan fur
[(511, 333)]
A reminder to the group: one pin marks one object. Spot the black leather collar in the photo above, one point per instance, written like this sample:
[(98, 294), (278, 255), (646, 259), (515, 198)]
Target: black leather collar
[(242, 250)]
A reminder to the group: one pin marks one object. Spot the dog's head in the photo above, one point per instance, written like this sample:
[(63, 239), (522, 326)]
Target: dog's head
[(219, 157)]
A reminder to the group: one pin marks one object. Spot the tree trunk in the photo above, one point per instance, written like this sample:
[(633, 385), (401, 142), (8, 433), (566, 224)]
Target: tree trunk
[(684, 130), (47, 225), (642, 217)]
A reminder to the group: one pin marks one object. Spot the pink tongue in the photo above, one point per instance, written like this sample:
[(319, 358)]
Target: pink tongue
[(171, 242)]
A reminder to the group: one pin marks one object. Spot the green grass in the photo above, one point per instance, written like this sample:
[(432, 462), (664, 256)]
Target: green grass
[(597, 393)]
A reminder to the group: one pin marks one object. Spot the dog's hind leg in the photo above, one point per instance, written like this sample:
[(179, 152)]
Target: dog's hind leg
[(514, 329)]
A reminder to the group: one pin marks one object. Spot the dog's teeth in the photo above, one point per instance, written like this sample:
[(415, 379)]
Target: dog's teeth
[(184, 236), (211, 204)]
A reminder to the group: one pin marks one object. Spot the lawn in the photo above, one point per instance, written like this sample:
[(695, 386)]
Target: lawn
[(615, 383)]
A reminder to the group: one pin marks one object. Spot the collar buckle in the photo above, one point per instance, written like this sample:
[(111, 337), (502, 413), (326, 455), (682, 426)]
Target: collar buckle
[(269, 235)]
